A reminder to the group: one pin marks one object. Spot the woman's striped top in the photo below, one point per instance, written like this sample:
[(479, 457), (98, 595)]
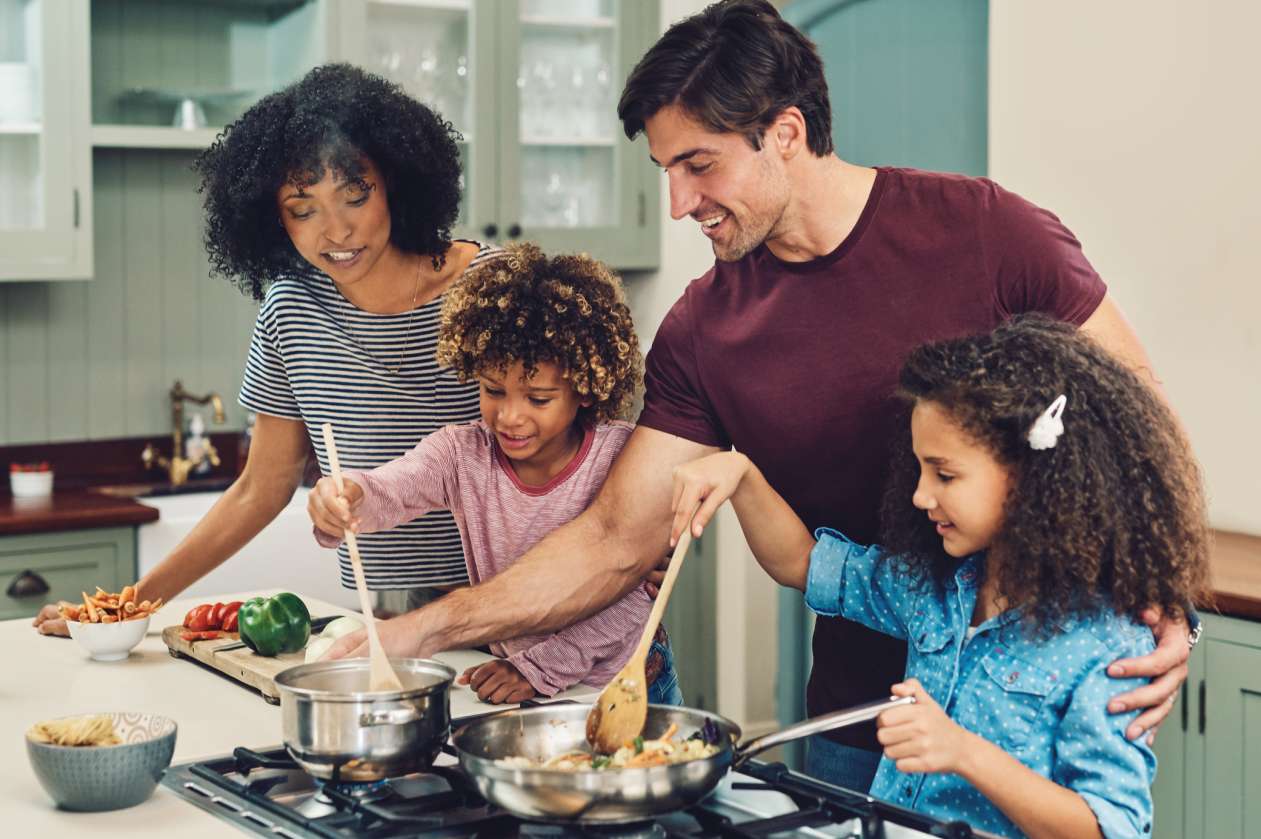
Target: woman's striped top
[(317, 358)]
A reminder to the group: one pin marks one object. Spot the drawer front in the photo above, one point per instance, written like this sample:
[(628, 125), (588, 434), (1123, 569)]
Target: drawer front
[(69, 563)]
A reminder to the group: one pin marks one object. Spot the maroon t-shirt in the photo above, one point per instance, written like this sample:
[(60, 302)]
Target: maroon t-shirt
[(795, 363)]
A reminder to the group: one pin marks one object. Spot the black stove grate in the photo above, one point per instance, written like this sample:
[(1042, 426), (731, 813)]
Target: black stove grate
[(267, 791)]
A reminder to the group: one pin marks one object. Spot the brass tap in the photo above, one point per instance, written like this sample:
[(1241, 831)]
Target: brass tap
[(177, 466)]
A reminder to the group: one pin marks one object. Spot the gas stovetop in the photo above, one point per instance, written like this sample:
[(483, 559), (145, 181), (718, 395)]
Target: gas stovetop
[(265, 793)]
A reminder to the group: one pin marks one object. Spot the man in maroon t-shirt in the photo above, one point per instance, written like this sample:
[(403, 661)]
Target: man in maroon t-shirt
[(788, 348)]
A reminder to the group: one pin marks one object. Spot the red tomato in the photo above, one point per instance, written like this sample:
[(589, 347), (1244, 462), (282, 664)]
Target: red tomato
[(198, 618), (229, 623)]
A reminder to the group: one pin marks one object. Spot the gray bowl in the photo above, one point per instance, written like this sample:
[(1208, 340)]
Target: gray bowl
[(93, 778)]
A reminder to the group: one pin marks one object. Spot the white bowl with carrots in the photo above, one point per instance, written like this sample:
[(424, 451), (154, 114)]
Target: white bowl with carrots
[(107, 625)]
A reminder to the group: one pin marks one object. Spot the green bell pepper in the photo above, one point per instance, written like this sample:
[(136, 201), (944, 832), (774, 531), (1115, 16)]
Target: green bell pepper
[(274, 625)]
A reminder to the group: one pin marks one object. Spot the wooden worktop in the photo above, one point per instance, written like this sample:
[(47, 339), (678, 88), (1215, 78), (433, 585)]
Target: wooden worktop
[(1237, 574), (74, 510)]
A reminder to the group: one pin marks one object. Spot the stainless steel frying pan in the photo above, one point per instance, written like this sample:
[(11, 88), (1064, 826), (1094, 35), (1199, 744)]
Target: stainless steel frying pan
[(613, 796)]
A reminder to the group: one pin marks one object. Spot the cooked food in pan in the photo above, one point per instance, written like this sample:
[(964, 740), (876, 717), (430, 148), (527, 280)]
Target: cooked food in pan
[(638, 753)]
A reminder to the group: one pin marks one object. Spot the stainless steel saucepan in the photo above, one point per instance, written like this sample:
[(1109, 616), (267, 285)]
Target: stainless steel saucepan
[(335, 727), (613, 796)]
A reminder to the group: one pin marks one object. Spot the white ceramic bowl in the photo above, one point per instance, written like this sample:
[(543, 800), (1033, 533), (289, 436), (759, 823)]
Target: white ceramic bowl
[(108, 641), (31, 484)]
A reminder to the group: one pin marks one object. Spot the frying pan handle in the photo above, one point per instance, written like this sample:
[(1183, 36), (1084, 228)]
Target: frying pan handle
[(827, 722)]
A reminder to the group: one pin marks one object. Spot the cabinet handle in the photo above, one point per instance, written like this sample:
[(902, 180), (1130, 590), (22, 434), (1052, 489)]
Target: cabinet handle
[(514, 231), (1203, 710), (1183, 699), (490, 231), (27, 584)]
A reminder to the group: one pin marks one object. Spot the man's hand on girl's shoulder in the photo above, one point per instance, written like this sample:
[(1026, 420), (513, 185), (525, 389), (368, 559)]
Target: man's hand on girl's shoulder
[(1166, 666)]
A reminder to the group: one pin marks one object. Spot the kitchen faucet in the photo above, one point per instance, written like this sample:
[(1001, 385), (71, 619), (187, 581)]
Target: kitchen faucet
[(177, 466)]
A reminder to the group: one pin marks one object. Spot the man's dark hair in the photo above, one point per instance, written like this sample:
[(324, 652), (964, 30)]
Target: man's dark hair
[(734, 67)]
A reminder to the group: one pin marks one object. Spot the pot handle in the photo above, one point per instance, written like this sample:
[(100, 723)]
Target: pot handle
[(827, 722), (394, 716)]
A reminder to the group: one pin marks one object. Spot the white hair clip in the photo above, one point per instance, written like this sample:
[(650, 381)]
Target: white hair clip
[(1048, 427)]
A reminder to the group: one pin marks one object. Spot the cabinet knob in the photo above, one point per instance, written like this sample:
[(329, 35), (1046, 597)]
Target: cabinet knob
[(27, 584), (490, 231), (514, 231)]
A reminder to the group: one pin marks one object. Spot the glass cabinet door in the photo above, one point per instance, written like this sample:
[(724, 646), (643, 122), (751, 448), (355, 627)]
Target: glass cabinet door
[(571, 180), (44, 162), (441, 52)]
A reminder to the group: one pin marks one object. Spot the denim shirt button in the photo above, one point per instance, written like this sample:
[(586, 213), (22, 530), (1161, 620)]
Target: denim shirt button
[(908, 790)]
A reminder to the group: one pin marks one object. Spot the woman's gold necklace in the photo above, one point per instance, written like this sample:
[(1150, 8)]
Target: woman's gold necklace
[(407, 333)]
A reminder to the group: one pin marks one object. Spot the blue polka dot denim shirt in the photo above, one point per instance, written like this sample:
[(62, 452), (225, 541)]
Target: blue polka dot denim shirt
[(1043, 700)]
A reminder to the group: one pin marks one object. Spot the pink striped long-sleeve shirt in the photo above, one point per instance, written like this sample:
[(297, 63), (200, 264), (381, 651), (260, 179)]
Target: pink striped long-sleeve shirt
[(460, 468)]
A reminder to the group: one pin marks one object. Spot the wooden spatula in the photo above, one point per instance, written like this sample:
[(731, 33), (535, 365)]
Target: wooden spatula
[(621, 709), (381, 675)]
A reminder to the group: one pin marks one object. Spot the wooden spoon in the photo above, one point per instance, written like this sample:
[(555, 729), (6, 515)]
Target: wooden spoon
[(621, 709), (381, 675)]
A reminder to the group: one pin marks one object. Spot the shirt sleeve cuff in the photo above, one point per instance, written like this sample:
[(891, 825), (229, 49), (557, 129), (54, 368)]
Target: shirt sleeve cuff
[(534, 675), (1117, 822), (325, 540), (825, 579)]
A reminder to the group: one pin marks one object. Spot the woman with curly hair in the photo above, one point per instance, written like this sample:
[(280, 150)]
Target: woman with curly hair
[(1041, 498), (332, 201), (551, 344)]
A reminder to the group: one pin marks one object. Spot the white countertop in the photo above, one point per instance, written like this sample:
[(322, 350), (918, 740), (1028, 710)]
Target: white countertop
[(44, 678)]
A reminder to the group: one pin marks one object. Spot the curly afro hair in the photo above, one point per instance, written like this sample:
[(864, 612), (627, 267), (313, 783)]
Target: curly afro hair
[(528, 308), (331, 119), (1113, 516)]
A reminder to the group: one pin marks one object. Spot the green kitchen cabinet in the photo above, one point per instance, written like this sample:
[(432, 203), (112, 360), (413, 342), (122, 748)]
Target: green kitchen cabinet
[(1210, 750), (67, 563), (45, 161), (532, 86)]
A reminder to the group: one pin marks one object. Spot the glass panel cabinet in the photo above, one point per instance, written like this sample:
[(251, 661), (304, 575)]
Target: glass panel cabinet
[(532, 86), (45, 161)]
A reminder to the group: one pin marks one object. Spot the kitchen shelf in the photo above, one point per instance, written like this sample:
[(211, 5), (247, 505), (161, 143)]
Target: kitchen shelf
[(570, 142), (428, 5), (151, 137), (20, 127), (548, 22)]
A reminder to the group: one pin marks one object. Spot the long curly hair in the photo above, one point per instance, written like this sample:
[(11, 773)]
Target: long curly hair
[(1112, 516), (529, 308), (331, 119)]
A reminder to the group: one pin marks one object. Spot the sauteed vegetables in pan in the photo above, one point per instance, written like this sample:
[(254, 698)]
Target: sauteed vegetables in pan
[(636, 753)]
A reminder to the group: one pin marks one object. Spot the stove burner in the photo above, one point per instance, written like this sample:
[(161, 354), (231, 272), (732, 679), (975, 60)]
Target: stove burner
[(361, 791)]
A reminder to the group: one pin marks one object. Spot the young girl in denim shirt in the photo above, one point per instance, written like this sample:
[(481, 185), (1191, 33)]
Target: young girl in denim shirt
[(1042, 498)]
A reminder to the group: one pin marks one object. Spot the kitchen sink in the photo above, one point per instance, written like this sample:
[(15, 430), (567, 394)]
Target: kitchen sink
[(154, 490)]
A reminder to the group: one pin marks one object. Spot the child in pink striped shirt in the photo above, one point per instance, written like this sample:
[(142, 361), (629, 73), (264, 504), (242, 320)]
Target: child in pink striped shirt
[(552, 344)]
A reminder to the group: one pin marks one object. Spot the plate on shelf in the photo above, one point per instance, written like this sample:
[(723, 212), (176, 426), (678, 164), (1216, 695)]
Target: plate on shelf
[(189, 103)]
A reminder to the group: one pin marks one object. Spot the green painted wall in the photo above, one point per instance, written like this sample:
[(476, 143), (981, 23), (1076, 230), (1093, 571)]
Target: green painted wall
[(94, 359), (908, 83)]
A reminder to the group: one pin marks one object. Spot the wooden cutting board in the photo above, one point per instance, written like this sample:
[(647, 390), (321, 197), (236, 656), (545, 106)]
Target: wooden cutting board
[(242, 664), (259, 672)]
